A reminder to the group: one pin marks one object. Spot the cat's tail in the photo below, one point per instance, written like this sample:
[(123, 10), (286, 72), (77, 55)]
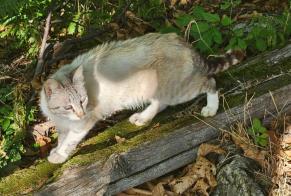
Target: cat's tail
[(222, 63)]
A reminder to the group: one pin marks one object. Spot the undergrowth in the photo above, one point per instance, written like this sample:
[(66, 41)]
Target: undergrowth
[(210, 31), (14, 118)]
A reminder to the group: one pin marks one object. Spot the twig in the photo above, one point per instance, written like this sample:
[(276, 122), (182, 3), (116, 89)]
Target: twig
[(140, 191), (40, 60)]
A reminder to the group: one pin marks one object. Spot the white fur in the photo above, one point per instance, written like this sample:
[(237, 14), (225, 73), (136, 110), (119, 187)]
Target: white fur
[(212, 105)]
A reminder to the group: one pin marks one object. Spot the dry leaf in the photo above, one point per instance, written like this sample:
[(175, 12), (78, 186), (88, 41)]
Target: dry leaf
[(201, 187), (40, 134), (119, 139), (36, 83), (203, 168), (205, 149), (183, 2), (44, 145), (114, 26), (159, 190), (181, 185), (273, 137), (250, 151), (122, 34), (173, 2), (288, 154), (287, 138), (43, 128)]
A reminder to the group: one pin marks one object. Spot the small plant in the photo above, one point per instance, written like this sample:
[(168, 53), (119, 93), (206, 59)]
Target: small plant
[(210, 32), (14, 116), (259, 133)]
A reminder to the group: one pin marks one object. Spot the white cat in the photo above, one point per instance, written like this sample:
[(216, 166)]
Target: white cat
[(158, 69)]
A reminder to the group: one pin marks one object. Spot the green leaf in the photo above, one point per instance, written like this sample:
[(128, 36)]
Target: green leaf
[(225, 4), (169, 29), (211, 17), (198, 12), (241, 44), (262, 130), (239, 32), (263, 142), (264, 135), (183, 20), (261, 45), (203, 26), (73, 25), (217, 37), (5, 124), (256, 124), (226, 21), (72, 28), (9, 131)]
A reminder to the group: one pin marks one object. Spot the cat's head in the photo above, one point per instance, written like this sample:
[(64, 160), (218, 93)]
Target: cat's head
[(67, 98)]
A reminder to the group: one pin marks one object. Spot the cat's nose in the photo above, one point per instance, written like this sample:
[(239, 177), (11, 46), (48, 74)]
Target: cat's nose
[(80, 113)]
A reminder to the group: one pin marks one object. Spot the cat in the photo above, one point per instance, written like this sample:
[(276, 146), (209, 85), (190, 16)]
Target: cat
[(155, 69)]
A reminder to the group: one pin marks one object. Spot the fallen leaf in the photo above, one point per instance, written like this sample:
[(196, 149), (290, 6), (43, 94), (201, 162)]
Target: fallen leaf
[(205, 149), (203, 168), (181, 185), (173, 2), (40, 134), (250, 151), (288, 154), (36, 83), (119, 139), (43, 128), (114, 26), (286, 138), (201, 187), (273, 137), (159, 190), (183, 2)]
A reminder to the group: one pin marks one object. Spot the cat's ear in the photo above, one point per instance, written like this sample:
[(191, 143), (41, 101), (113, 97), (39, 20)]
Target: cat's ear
[(51, 85), (78, 77)]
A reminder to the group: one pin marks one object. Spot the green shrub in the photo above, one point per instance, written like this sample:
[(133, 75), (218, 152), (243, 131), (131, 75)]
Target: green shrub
[(14, 117), (211, 32), (258, 133)]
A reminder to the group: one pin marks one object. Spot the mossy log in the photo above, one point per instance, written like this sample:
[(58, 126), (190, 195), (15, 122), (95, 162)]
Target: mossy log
[(103, 167)]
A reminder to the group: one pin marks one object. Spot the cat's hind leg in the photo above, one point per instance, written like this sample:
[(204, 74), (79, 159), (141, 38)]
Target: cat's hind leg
[(212, 99), (148, 114)]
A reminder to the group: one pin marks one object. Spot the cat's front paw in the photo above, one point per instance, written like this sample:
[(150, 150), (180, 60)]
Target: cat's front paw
[(138, 120), (56, 158), (208, 111)]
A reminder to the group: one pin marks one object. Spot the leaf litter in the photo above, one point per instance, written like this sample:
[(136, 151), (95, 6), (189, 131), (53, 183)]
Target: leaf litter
[(198, 177)]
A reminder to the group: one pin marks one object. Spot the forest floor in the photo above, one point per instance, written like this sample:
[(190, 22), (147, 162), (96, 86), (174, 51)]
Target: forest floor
[(18, 70)]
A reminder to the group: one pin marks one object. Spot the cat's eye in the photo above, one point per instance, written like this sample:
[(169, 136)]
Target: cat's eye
[(69, 107)]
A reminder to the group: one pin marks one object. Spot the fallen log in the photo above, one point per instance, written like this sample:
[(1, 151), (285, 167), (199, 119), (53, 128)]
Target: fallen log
[(103, 167)]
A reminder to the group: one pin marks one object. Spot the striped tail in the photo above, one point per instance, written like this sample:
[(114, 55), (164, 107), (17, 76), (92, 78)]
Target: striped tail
[(222, 63)]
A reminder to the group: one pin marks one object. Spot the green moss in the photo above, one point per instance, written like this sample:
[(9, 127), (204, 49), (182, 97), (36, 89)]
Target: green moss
[(27, 180), (153, 131)]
